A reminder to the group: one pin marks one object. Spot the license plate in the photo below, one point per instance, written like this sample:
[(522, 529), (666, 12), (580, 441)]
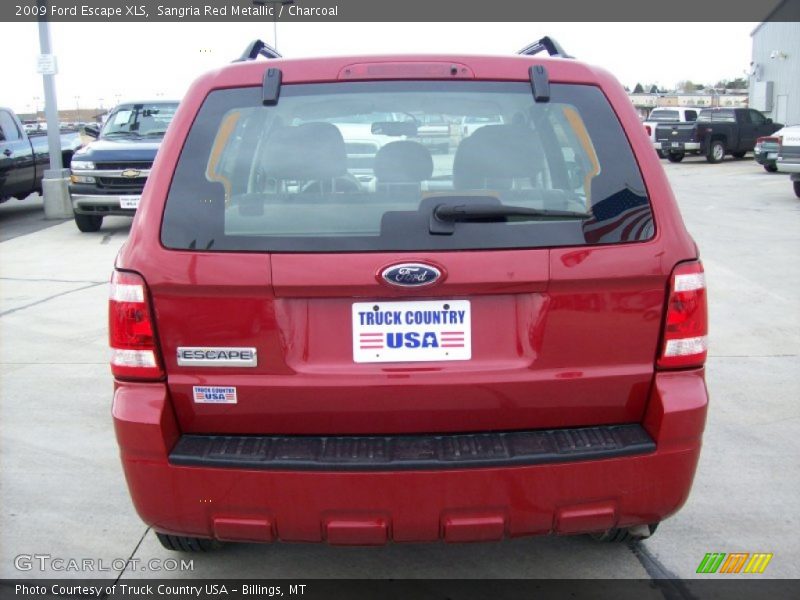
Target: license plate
[(676, 144), (412, 331), (129, 201), (772, 155)]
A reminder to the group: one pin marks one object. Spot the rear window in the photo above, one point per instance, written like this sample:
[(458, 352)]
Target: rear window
[(342, 167), (664, 115), (717, 116)]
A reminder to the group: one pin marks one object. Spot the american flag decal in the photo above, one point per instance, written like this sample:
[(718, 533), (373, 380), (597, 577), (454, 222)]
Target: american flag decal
[(622, 217), (371, 341), (214, 394), (452, 339)]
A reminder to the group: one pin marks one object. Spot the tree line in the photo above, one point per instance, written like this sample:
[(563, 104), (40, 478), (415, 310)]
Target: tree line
[(686, 85)]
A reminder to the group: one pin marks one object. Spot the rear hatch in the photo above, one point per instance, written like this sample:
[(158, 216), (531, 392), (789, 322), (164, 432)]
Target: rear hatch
[(506, 284)]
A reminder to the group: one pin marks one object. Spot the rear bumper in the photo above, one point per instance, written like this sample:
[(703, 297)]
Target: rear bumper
[(788, 165), (87, 200), (765, 157), (373, 507), (682, 147)]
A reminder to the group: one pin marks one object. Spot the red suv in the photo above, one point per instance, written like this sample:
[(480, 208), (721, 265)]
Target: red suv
[(322, 332)]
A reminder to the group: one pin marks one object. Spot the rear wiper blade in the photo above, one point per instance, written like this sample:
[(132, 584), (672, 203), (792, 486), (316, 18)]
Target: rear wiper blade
[(444, 216)]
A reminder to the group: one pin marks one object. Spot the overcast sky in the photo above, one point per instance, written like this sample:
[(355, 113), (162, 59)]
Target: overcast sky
[(146, 60)]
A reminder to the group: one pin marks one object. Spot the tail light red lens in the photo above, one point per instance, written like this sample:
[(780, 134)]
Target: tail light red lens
[(648, 129), (686, 320), (134, 354)]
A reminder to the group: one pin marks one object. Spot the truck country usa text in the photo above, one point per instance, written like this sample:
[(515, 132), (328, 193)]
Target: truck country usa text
[(412, 317)]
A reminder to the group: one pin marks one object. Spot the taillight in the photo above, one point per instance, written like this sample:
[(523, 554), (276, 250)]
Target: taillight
[(686, 319), (130, 329), (648, 129)]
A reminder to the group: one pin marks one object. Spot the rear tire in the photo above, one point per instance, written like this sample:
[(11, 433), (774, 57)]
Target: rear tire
[(771, 168), (716, 151), (797, 188), (661, 154), (738, 154), (617, 536), (180, 543), (88, 223), (675, 158)]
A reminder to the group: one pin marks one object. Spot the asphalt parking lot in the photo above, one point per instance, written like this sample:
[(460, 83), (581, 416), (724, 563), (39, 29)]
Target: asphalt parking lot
[(63, 492)]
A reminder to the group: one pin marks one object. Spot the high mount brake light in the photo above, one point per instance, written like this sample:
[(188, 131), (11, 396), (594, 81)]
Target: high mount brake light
[(406, 70), (684, 341), (130, 329)]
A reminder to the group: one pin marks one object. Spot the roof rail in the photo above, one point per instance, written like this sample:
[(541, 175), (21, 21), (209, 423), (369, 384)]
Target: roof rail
[(258, 48), (546, 43)]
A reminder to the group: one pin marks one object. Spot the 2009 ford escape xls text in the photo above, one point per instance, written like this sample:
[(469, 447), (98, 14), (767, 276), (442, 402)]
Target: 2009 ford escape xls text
[(322, 332)]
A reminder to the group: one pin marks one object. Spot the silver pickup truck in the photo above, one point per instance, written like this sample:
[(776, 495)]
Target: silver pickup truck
[(788, 160)]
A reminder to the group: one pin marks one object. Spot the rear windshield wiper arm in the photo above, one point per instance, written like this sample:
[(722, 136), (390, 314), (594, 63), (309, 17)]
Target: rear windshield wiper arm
[(444, 216)]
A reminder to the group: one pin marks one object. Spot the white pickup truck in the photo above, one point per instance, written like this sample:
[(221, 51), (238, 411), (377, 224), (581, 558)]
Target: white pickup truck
[(788, 160), (671, 114)]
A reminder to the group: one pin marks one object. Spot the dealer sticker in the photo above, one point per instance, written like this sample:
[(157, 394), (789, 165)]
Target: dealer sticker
[(214, 394), (412, 331), (129, 202)]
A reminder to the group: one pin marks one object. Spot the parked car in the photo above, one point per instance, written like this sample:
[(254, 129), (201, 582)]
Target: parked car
[(24, 157), (788, 159), (433, 131), (109, 173), (765, 151), (511, 345), (470, 123), (717, 132), (672, 114)]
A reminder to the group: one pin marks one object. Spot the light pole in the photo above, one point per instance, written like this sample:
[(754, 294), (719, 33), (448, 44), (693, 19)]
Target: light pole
[(77, 109), (275, 4), (57, 204)]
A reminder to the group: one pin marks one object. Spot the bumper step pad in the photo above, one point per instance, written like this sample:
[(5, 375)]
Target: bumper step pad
[(404, 452)]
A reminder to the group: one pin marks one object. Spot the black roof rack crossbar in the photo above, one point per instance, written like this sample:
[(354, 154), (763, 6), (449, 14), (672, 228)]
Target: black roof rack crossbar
[(552, 47), (258, 48)]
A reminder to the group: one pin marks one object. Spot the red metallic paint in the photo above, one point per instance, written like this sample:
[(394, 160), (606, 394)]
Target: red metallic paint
[(563, 337), (414, 505)]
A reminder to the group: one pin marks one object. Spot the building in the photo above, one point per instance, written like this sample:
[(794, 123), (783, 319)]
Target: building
[(775, 68)]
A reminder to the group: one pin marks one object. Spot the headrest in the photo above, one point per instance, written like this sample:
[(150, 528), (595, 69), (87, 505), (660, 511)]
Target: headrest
[(305, 152), (496, 153), (403, 162)]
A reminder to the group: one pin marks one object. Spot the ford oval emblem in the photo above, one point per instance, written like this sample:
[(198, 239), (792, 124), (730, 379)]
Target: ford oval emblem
[(411, 275)]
